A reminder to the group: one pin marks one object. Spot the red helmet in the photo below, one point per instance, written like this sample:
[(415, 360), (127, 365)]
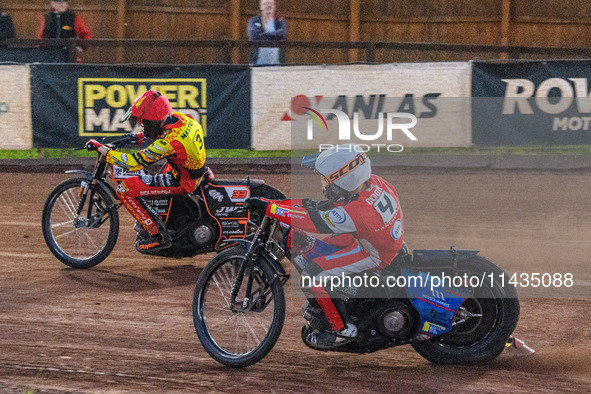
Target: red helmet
[(151, 105), (149, 110)]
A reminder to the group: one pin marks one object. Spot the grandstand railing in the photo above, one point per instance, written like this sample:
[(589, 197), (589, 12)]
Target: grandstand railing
[(113, 51)]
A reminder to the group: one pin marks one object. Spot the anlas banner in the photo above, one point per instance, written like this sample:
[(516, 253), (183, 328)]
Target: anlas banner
[(73, 103), (531, 103)]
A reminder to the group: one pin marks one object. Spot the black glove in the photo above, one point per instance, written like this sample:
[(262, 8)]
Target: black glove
[(309, 204), (325, 205), (256, 204), (313, 205)]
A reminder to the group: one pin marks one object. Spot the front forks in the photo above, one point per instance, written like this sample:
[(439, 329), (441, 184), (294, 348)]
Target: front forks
[(96, 220), (83, 194), (243, 306), (254, 300)]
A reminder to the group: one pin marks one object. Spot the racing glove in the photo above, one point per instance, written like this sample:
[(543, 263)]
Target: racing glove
[(256, 204), (92, 145), (139, 138), (313, 205)]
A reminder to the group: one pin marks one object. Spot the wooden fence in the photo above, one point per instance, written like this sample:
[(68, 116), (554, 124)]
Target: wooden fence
[(506, 23)]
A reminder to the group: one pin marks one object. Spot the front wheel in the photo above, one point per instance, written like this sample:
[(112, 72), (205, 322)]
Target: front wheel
[(494, 308), (239, 334), (80, 223)]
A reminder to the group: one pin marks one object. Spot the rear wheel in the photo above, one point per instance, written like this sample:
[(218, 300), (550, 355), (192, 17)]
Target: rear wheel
[(482, 337), (85, 239), (232, 334)]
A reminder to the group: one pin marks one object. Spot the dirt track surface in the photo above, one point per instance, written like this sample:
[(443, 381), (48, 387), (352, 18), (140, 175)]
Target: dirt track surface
[(126, 324)]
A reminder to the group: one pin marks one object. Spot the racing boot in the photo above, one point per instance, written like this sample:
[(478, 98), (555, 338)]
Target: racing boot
[(326, 339), (154, 242)]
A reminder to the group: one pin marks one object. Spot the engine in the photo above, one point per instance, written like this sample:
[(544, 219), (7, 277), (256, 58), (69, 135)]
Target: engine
[(190, 237), (192, 234), (380, 322), (395, 320), (202, 234)]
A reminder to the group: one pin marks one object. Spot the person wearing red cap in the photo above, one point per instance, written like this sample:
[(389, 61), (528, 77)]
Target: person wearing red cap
[(178, 138)]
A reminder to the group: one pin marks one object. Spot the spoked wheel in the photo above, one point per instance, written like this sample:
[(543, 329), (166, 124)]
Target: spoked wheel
[(486, 320), (85, 239), (241, 334)]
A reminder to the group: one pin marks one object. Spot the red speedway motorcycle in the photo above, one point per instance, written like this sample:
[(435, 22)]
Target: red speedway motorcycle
[(239, 301), (80, 218)]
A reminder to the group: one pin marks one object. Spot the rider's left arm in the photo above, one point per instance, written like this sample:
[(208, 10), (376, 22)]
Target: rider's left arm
[(158, 150)]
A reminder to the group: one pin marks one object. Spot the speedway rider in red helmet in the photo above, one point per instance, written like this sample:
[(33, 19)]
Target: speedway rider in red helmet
[(179, 140), (364, 216)]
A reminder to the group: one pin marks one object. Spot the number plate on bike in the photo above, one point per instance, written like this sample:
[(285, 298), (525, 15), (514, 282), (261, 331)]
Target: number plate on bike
[(120, 174)]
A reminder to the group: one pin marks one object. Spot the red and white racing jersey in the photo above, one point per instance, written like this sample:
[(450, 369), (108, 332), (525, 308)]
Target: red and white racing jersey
[(374, 218)]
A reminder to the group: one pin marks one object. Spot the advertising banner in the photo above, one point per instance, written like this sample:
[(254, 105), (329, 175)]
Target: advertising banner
[(15, 107), (531, 103), (34, 55), (437, 94), (73, 103)]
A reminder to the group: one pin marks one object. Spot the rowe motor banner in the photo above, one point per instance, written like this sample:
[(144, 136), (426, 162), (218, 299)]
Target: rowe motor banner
[(531, 103), (74, 103)]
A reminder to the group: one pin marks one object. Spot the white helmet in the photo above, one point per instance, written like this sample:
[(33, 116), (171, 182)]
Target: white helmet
[(340, 166)]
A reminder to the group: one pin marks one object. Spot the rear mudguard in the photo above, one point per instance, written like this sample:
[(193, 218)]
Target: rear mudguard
[(258, 188), (103, 185), (439, 258)]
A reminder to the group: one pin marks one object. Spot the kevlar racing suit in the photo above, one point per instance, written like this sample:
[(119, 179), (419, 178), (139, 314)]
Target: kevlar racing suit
[(182, 146), (368, 229)]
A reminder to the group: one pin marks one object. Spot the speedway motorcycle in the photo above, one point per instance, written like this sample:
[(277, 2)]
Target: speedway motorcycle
[(239, 301), (80, 218)]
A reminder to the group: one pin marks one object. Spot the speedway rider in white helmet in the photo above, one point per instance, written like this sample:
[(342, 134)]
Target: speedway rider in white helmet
[(362, 212)]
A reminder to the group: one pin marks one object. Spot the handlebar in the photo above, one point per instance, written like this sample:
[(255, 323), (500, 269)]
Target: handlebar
[(256, 204), (126, 139)]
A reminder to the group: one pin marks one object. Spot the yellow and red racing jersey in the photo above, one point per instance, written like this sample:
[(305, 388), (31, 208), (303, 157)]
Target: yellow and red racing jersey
[(181, 145)]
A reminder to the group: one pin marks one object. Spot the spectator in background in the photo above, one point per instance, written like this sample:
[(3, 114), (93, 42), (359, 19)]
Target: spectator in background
[(61, 22), (6, 26), (266, 26)]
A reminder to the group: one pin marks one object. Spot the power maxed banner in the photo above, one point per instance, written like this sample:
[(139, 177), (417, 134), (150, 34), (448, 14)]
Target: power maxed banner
[(73, 103), (531, 103)]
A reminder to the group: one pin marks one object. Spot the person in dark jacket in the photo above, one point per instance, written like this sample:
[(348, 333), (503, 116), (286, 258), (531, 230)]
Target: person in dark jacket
[(61, 22), (6, 26), (263, 27)]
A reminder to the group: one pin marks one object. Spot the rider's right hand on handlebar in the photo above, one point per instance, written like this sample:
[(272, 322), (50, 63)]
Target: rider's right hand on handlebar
[(139, 137), (92, 145)]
